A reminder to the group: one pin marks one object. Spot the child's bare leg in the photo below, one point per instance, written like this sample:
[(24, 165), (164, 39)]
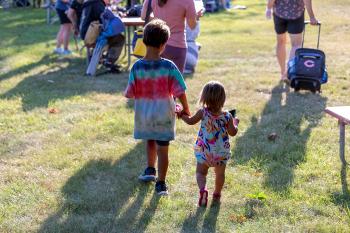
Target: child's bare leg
[(219, 178), (151, 149), (163, 162), (201, 175)]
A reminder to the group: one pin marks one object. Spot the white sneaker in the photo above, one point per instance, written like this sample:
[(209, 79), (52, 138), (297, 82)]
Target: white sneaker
[(66, 52), (58, 50)]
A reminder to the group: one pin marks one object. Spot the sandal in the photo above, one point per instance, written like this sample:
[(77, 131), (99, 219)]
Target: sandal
[(203, 198)]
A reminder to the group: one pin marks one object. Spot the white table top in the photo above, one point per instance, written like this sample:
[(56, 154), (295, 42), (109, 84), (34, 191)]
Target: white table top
[(342, 113)]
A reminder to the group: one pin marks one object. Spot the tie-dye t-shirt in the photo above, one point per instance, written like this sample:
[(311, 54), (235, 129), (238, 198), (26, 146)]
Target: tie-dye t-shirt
[(213, 145), (153, 85), (289, 9)]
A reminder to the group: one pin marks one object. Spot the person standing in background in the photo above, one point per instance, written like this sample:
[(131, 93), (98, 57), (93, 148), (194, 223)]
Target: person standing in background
[(175, 13), (288, 16), (65, 28)]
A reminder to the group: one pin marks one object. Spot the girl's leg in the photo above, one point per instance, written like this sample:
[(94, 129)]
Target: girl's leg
[(163, 161), (151, 150), (201, 175), (219, 179), (281, 53), (66, 34)]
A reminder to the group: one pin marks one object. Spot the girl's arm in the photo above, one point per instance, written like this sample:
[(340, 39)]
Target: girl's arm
[(232, 128), (191, 120)]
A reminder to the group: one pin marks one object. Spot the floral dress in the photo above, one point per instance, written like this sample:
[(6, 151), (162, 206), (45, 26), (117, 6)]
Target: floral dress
[(212, 146)]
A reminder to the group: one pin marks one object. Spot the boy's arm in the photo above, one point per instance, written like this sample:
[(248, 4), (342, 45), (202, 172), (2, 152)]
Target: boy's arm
[(232, 128), (191, 120), (183, 101)]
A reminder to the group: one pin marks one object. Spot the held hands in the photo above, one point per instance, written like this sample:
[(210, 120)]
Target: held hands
[(268, 13), (200, 14)]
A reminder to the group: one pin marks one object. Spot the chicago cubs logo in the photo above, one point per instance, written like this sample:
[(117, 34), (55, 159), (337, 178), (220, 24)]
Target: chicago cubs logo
[(309, 63)]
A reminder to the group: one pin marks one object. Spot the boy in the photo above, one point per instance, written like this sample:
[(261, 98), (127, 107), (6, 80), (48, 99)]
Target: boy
[(153, 83)]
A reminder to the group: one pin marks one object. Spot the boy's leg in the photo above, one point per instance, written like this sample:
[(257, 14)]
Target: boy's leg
[(151, 149), (219, 179), (150, 172), (163, 162)]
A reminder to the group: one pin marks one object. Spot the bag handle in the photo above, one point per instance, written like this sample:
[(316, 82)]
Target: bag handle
[(319, 33), (148, 12)]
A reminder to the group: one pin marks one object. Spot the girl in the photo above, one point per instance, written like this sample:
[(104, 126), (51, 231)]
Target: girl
[(212, 148)]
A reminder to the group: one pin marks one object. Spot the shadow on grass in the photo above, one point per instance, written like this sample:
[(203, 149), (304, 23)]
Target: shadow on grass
[(292, 117), (63, 80), (105, 196), (190, 225)]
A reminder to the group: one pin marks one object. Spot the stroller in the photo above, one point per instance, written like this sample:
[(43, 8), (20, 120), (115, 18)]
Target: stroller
[(307, 70)]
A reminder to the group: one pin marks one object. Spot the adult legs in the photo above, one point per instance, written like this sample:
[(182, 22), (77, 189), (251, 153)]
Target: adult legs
[(281, 53), (295, 40), (115, 45), (66, 33), (59, 37)]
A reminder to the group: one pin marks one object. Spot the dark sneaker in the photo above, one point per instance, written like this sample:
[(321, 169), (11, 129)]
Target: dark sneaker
[(161, 188), (148, 175)]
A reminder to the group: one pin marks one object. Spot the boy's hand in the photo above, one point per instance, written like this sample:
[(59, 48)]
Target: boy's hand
[(268, 13)]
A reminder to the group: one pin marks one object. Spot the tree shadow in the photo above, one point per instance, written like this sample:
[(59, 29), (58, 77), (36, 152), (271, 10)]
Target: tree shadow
[(63, 80), (105, 196), (291, 119)]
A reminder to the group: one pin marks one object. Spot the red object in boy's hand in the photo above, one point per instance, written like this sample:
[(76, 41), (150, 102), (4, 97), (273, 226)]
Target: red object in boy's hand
[(178, 110)]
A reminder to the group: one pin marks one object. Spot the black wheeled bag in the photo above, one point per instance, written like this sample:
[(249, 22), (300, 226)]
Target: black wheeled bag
[(307, 70)]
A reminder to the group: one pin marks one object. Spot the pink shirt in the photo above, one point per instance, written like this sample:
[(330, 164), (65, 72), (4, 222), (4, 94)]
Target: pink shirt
[(174, 13)]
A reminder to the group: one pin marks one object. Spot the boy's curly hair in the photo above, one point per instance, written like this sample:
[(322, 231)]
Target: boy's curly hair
[(156, 33)]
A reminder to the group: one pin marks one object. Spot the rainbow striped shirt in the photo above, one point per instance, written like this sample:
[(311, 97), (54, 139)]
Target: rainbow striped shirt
[(153, 85)]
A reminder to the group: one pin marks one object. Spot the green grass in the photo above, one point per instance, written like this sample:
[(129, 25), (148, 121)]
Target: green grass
[(76, 170)]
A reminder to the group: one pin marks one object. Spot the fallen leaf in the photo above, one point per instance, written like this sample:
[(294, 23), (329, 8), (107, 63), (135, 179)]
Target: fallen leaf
[(53, 110)]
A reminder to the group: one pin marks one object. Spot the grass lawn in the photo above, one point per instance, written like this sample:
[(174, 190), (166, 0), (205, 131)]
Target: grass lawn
[(76, 170)]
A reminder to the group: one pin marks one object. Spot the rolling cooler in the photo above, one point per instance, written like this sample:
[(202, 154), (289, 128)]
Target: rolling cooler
[(307, 70)]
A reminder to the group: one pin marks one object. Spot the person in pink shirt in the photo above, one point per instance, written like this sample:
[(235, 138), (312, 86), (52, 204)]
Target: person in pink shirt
[(176, 13)]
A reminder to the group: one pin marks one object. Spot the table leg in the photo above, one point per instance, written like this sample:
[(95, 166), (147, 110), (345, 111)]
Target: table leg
[(342, 158), (129, 49)]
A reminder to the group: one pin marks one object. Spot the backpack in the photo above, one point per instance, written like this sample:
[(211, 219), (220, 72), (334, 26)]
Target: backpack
[(307, 70), (92, 33)]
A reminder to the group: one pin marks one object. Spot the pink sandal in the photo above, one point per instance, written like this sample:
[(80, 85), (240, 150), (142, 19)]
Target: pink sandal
[(203, 198)]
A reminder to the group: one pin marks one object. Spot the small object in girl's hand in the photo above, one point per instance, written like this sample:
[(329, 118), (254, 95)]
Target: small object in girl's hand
[(178, 108), (233, 112)]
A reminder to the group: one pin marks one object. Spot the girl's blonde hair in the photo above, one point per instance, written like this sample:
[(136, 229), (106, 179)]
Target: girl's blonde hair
[(213, 95)]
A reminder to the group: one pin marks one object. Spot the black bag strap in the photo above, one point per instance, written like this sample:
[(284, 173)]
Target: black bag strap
[(319, 33), (148, 12)]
